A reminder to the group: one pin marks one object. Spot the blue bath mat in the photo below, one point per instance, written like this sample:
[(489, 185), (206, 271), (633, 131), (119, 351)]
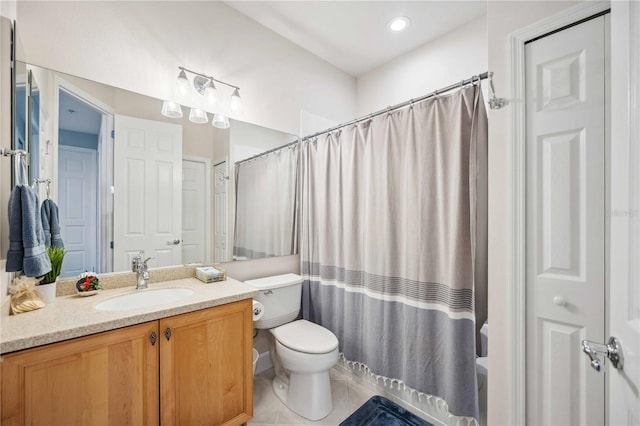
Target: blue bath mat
[(379, 411)]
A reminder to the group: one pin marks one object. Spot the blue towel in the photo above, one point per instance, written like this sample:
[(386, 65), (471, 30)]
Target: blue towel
[(27, 250), (15, 255), (51, 224)]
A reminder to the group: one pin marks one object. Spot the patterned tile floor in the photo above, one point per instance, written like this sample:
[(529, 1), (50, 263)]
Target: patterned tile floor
[(347, 396)]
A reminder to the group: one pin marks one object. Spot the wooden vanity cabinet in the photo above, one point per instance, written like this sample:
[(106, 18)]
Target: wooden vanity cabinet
[(107, 378), (206, 373), (197, 372)]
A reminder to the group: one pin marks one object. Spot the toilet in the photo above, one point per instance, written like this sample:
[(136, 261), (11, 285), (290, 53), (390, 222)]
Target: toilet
[(304, 351)]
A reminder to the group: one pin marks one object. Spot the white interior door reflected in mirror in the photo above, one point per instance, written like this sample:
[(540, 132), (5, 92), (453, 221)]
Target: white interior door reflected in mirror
[(196, 210), (78, 190), (147, 191)]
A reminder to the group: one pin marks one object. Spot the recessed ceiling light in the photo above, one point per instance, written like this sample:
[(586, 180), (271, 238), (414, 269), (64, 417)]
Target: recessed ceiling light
[(399, 24)]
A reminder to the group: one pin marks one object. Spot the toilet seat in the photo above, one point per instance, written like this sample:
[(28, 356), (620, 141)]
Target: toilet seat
[(307, 337)]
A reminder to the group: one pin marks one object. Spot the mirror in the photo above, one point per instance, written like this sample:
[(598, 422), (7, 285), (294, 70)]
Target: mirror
[(126, 178)]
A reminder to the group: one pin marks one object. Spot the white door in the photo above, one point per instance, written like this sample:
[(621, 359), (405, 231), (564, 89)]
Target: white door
[(624, 272), (194, 211), (565, 278), (221, 181), (147, 192), (77, 192)]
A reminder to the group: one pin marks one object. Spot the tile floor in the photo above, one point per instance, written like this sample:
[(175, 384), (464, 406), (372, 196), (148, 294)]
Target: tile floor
[(347, 396)]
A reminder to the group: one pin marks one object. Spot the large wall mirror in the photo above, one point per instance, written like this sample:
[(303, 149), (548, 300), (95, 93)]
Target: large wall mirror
[(126, 178)]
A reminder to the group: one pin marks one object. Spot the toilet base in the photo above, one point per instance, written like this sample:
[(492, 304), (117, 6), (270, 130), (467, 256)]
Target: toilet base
[(307, 394)]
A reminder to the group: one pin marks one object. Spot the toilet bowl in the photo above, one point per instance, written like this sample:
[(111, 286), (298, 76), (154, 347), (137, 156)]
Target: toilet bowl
[(303, 352)]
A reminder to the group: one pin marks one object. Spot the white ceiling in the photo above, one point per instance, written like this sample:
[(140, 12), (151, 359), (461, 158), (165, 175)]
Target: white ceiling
[(77, 116), (353, 35)]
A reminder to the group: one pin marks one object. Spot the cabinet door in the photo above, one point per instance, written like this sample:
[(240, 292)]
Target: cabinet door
[(109, 378), (206, 375)]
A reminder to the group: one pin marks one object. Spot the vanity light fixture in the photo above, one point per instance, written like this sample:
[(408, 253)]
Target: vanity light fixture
[(236, 105), (398, 24), (196, 115), (220, 121), (182, 82), (205, 86), (171, 109)]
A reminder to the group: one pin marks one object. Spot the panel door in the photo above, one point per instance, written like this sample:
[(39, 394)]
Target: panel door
[(624, 301), (147, 192), (206, 374), (565, 112), (77, 189), (109, 378), (221, 181), (194, 208)]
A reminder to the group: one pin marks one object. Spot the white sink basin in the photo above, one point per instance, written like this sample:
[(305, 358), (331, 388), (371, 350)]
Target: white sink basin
[(144, 299)]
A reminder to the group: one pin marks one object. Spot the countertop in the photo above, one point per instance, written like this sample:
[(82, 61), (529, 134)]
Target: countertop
[(74, 316)]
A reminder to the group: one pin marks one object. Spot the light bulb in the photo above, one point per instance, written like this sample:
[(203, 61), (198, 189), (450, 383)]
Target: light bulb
[(236, 104), (220, 121), (399, 24), (210, 93), (196, 115), (182, 83), (182, 79), (171, 109)]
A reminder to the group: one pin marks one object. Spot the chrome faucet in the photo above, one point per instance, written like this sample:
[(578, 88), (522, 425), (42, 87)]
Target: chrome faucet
[(139, 266)]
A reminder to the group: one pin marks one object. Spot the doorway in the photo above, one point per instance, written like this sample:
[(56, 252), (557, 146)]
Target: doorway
[(220, 237), (82, 130), (196, 210)]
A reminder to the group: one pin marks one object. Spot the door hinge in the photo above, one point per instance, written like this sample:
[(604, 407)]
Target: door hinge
[(111, 245), (113, 134)]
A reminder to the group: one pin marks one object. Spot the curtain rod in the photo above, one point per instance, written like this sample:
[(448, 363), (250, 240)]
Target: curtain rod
[(278, 148), (494, 103)]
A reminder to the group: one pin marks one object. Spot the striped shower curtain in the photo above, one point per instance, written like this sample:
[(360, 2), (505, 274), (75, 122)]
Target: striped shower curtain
[(266, 205), (393, 243)]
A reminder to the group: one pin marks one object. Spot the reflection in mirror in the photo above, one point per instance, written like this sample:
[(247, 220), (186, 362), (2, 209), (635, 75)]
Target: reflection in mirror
[(33, 118), (20, 118), (127, 178), (266, 222)]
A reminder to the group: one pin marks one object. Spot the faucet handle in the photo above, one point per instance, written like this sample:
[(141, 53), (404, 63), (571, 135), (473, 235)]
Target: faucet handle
[(137, 261), (144, 262)]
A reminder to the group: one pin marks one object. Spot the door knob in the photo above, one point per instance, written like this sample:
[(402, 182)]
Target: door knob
[(560, 301), (612, 350), (174, 242)]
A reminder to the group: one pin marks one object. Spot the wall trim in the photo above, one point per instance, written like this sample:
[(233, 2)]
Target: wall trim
[(517, 206)]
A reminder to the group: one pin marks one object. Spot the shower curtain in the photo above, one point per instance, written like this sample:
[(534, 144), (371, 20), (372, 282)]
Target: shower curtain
[(393, 243), (266, 203)]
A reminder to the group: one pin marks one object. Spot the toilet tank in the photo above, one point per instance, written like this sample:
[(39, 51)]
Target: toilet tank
[(281, 296)]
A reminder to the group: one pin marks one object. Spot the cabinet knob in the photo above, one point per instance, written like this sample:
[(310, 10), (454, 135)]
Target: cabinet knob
[(153, 338), (167, 333)]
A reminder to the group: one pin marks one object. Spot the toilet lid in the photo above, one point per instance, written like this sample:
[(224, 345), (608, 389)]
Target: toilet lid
[(307, 337)]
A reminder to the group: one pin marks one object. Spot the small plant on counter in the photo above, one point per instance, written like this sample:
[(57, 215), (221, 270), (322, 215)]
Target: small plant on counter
[(56, 256)]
